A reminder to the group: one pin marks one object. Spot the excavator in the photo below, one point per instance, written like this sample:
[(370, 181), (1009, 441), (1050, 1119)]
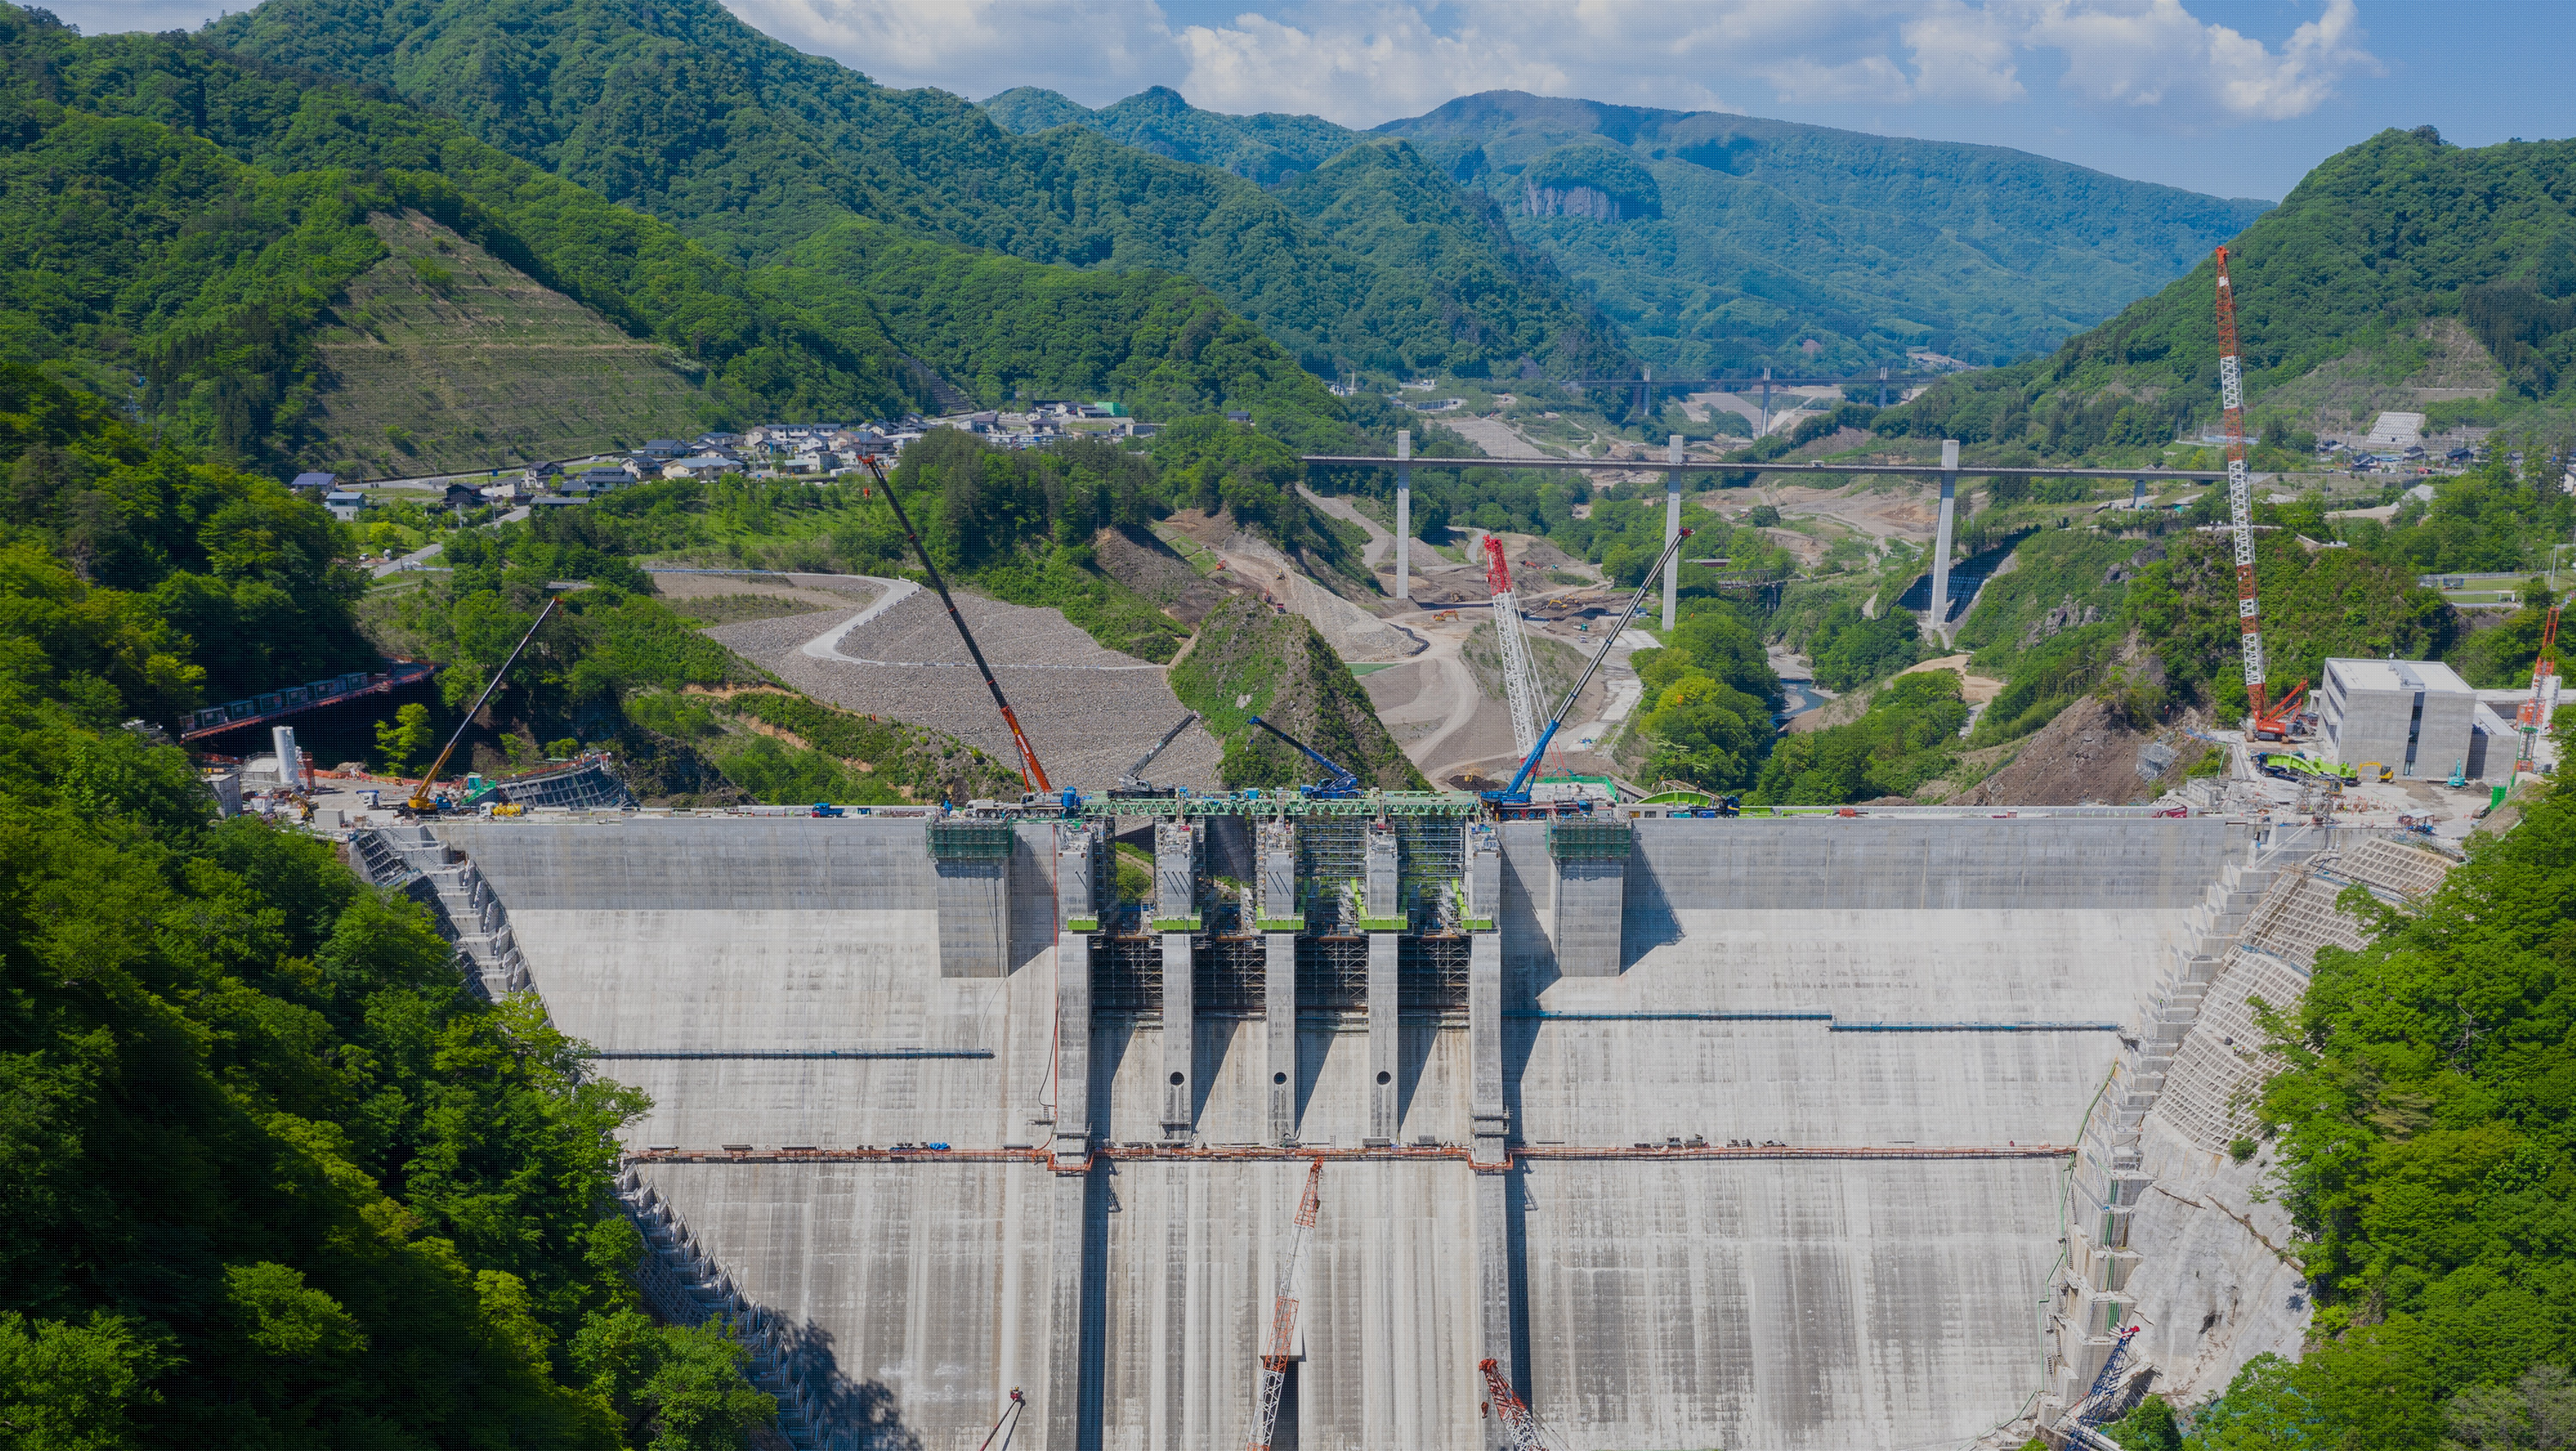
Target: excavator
[(421, 803)]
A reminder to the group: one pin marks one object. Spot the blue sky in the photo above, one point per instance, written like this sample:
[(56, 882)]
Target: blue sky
[(2237, 97)]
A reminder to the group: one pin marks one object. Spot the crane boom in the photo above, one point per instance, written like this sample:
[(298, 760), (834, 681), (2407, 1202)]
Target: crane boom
[(1032, 775), (1518, 791), (1283, 1313), (1518, 690), (1340, 782), (1520, 1423), (420, 794), (2240, 489)]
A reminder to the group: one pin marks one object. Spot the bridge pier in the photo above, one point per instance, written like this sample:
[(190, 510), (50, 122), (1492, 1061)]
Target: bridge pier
[(1940, 600)]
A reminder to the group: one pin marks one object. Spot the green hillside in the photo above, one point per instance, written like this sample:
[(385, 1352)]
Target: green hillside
[(1267, 148), (2403, 272), (750, 147), (1770, 233), (335, 281)]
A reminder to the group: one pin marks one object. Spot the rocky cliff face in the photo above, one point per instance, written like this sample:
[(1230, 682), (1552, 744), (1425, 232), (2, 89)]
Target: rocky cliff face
[(1570, 201)]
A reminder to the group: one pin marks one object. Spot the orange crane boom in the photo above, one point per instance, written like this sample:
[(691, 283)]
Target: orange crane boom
[(2240, 490), (1032, 775)]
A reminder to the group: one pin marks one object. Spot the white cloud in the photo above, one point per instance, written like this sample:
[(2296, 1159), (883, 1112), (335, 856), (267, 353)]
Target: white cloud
[(2154, 54), (1361, 62)]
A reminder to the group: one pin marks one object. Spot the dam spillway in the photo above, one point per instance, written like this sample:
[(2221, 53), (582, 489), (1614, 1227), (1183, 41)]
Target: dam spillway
[(1743, 1133)]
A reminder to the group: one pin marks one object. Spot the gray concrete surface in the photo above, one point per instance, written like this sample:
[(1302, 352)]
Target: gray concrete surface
[(1745, 1302)]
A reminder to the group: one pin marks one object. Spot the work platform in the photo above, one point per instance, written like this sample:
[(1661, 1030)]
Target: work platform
[(1713, 1132)]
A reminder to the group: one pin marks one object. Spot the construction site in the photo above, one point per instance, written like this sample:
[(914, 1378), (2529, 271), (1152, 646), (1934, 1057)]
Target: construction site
[(1160, 1116)]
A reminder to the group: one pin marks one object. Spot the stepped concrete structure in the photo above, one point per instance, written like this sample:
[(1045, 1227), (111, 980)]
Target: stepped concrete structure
[(1754, 1133)]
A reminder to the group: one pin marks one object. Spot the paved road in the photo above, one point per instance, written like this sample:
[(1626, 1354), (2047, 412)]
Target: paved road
[(420, 557)]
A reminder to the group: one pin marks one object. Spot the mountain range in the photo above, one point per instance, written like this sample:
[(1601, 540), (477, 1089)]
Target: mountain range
[(1721, 242)]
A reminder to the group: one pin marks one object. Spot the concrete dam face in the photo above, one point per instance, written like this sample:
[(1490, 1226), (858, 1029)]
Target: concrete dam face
[(1745, 1133)]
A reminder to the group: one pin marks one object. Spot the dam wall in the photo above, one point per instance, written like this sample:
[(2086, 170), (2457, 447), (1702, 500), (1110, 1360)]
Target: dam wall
[(1757, 1137)]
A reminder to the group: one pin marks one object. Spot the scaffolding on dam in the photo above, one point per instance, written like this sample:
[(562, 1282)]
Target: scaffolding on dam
[(1688, 1125)]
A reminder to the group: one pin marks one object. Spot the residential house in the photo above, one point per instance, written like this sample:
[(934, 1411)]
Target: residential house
[(344, 504), (659, 449), (462, 496), (319, 483), (700, 466)]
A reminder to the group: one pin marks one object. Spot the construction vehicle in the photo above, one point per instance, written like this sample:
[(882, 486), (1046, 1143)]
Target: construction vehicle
[(2459, 777), (421, 803), (1518, 691), (2284, 766), (1517, 793), (2240, 497), (1339, 784), (1521, 1430), (2376, 771), (1283, 1313), (2282, 721), (1133, 784), (1033, 777)]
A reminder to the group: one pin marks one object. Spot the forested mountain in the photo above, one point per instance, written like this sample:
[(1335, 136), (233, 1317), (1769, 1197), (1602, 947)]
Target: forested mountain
[(749, 147), (2403, 272), (1267, 148), (224, 231), (1739, 239), (1768, 233)]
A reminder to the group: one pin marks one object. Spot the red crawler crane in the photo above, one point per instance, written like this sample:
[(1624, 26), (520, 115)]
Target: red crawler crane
[(1283, 1314)]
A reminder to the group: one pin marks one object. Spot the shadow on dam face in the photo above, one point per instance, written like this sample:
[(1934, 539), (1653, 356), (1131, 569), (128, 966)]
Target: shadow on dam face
[(1905, 1007)]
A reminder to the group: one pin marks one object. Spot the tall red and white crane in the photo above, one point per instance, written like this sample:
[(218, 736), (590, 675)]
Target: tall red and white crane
[(1283, 1313), (1520, 1423), (2240, 492), (1520, 690)]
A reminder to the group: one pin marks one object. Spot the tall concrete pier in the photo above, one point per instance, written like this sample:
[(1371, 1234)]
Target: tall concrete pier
[(1742, 1133)]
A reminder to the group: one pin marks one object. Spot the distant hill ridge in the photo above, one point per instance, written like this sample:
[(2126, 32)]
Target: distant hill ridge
[(1737, 239)]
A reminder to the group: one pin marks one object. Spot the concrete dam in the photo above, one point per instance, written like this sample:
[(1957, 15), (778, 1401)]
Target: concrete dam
[(1791, 1133)]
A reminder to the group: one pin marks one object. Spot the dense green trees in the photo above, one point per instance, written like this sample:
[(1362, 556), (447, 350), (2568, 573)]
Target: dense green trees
[(1709, 697), (750, 147), (1908, 735), (272, 1177), (2421, 1109)]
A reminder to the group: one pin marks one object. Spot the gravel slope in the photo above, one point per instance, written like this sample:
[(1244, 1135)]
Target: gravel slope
[(1089, 711)]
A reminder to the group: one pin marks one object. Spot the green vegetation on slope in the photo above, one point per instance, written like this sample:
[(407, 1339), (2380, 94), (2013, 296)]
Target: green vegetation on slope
[(1268, 148), (1709, 696), (2380, 239), (273, 319), (749, 146), (1294, 681), (2423, 1119), (271, 1176), (446, 358), (1772, 233), (1909, 735)]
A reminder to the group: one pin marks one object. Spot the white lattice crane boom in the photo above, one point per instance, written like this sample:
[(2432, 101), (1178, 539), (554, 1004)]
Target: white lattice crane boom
[(1519, 690), (2240, 490), (1283, 1313)]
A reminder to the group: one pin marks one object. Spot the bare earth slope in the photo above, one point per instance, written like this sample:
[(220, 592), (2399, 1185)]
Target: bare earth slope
[(1088, 711)]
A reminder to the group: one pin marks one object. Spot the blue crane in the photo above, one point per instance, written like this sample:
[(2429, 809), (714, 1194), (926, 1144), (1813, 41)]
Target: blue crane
[(1339, 783), (1517, 793)]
